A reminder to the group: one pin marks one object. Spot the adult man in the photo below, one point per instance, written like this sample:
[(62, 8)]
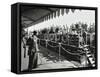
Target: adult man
[(32, 51)]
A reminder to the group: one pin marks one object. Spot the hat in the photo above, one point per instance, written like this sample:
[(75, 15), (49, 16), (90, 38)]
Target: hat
[(34, 32)]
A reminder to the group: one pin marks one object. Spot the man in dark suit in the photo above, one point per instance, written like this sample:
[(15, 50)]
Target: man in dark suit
[(32, 51)]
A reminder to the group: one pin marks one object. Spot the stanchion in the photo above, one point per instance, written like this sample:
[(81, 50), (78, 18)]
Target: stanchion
[(86, 39), (46, 42), (68, 39), (59, 51), (39, 41)]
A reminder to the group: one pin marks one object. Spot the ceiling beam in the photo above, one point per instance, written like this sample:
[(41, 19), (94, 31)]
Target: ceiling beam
[(28, 18), (48, 9)]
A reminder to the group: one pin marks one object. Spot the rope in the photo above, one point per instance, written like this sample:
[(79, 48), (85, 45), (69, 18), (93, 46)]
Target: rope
[(68, 45), (53, 41), (42, 39), (52, 46), (63, 47), (70, 52), (63, 41), (63, 44)]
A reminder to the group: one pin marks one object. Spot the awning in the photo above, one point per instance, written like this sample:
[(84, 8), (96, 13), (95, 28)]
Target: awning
[(32, 15)]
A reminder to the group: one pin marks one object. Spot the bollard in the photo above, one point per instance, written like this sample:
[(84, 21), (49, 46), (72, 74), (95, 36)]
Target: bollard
[(59, 51)]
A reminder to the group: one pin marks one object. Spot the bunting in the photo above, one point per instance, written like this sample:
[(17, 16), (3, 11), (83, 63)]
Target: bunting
[(73, 10), (55, 14), (52, 15), (49, 16), (67, 10), (58, 12), (62, 11), (46, 18)]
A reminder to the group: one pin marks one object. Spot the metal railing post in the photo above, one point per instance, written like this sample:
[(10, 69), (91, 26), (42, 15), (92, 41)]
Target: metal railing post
[(85, 49), (59, 51), (46, 43), (39, 41)]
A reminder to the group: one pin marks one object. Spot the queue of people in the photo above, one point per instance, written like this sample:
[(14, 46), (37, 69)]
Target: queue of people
[(84, 34)]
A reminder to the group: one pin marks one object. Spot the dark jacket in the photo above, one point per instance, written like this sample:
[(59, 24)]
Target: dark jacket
[(30, 43)]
